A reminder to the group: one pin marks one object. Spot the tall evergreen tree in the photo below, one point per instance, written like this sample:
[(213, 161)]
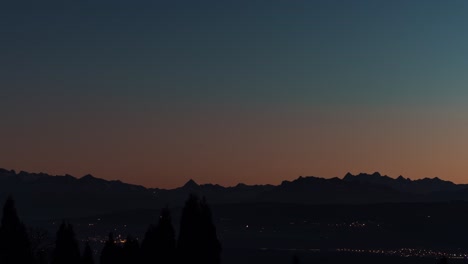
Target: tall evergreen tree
[(189, 246), (66, 246), (88, 256), (159, 243), (148, 246), (15, 246), (210, 239), (198, 242), (166, 242), (111, 253)]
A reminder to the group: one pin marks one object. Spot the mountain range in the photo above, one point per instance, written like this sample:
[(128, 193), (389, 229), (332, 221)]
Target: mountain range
[(42, 196)]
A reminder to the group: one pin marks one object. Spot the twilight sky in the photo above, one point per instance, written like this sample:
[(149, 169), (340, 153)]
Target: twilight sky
[(158, 92)]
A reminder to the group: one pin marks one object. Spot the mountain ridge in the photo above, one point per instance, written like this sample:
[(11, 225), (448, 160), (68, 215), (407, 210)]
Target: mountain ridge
[(375, 177), (69, 196)]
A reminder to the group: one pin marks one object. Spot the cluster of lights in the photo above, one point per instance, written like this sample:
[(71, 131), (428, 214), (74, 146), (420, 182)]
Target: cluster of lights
[(407, 252), (355, 224)]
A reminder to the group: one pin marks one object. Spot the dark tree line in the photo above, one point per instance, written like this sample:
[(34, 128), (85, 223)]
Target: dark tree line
[(15, 246), (197, 241)]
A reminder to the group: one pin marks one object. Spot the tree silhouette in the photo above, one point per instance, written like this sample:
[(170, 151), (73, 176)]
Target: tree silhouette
[(87, 257), (149, 245), (166, 242), (111, 252), (159, 243), (210, 239), (189, 246), (66, 246), (198, 242), (15, 246)]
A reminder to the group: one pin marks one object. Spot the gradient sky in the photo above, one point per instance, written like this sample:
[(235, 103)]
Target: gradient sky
[(158, 92)]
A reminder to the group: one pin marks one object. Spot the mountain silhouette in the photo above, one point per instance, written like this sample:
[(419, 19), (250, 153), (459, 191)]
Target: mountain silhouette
[(68, 196), (425, 185), (191, 184)]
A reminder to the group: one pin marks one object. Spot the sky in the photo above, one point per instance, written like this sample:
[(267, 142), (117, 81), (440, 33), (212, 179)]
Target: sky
[(159, 92)]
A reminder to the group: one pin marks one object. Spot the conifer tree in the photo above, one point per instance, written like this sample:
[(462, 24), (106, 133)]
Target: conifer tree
[(166, 242), (15, 246), (88, 256), (66, 246), (148, 245), (159, 243), (210, 239), (197, 242), (189, 247)]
